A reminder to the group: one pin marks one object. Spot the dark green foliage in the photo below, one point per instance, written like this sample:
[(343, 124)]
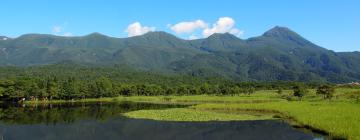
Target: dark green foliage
[(326, 90), (279, 91), (299, 91), (69, 82)]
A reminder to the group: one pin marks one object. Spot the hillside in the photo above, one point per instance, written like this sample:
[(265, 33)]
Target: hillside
[(278, 54)]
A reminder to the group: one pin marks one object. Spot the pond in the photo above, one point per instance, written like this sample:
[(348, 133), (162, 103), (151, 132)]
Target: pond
[(98, 121)]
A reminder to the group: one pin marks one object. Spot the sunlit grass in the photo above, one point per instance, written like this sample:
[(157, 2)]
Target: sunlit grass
[(340, 119), (184, 114), (339, 116), (259, 96)]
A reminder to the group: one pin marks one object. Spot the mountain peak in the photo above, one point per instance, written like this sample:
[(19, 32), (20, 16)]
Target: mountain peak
[(217, 35), (96, 34), (284, 34), (36, 36), (223, 36), (279, 31), (157, 33)]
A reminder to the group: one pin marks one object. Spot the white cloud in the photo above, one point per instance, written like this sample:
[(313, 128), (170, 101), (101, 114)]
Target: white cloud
[(57, 29), (223, 25), (188, 26), (67, 34), (136, 29), (193, 37), (61, 30), (236, 32)]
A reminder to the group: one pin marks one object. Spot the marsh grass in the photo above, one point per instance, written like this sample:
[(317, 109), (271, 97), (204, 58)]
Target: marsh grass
[(340, 116), (258, 97), (339, 119), (185, 114)]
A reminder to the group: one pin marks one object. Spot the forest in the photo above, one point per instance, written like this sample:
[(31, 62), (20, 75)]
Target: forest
[(67, 82)]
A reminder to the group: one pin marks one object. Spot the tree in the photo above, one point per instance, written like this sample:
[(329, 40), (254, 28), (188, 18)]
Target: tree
[(34, 90), (104, 87), (183, 90), (125, 90), (279, 91), (170, 91), (235, 90), (70, 89), (93, 90), (2, 91), (326, 90), (194, 90), (51, 89), (251, 90), (205, 89), (248, 90), (299, 91)]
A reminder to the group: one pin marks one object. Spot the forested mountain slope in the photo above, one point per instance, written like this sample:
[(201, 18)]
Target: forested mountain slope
[(279, 54)]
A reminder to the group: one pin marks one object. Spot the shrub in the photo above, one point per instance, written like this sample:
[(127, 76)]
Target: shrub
[(280, 91), (326, 90), (299, 91)]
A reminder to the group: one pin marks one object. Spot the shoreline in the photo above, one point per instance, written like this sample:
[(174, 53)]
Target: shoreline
[(285, 110)]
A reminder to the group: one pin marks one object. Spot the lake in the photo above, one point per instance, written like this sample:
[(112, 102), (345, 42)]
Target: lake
[(99, 121)]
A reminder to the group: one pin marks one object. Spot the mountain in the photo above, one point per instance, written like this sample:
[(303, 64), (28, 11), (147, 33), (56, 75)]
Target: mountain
[(4, 38), (278, 54)]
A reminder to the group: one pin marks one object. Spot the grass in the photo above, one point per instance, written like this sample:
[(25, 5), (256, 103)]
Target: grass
[(185, 114), (340, 117), (260, 96)]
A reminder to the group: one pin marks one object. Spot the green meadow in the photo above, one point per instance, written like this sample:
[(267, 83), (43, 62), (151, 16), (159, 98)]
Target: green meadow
[(339, 117)]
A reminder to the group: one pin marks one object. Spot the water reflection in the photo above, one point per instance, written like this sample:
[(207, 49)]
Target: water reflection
[(103, 121), (69, 112)]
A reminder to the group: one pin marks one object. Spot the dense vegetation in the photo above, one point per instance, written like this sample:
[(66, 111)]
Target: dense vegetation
[(279, 54), (67, 81), (160, 67)]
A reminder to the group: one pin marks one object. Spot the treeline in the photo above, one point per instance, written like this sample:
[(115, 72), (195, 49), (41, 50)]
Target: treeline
[(71, 88), (78, 82)]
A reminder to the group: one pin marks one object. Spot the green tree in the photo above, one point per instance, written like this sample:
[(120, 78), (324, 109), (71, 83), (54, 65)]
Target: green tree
[(235, 90), (280, 91), (326, 90), (34, 90), (2, 90), (170, 91), (125, 90), (299, 91), (104, 86), (183, 90), (52, 89), (205, 89), (194, 90)]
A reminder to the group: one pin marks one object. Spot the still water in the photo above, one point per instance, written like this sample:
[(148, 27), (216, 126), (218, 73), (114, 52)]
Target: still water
[(103, 121)]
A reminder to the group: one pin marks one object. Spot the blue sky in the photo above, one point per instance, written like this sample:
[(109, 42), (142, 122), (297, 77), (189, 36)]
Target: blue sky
[(333, 24)]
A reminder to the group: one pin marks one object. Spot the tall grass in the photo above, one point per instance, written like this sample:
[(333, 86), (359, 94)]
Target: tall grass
[(340, 119), (183, 114), (339, 116)]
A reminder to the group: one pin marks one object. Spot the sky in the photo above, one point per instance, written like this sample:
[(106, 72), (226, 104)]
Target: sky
[(332, 24)]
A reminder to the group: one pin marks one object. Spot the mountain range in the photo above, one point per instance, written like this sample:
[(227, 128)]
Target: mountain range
[(278, 54)]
